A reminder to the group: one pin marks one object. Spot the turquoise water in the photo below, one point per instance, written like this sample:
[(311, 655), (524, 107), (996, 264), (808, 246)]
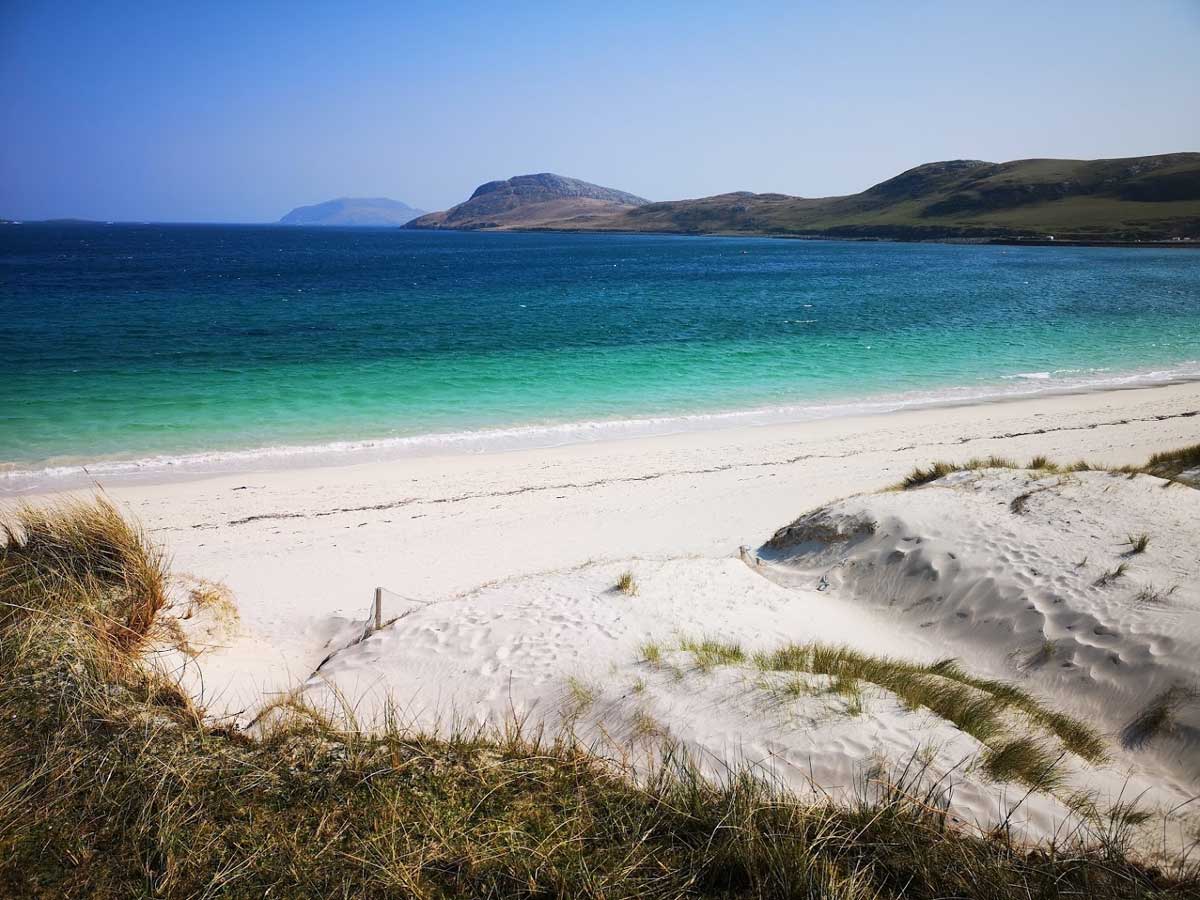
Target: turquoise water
[(136, 347)]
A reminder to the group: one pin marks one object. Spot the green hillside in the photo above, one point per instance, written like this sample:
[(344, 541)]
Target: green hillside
[(1138, 198)]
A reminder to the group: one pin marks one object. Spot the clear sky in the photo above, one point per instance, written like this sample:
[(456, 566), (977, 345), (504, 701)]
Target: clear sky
[(240, 111)]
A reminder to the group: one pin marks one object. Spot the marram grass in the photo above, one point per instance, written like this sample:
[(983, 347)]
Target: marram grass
[(924, 475), (977, 706), (1168, 465)]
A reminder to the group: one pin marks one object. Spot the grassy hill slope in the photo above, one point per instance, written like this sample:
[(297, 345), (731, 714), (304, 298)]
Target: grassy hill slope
[(1138, 198)]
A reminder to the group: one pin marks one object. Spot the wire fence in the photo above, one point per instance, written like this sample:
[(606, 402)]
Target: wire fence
[(388, 606)]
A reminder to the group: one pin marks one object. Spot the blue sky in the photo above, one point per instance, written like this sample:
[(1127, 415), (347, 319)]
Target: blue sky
[(238, 112)]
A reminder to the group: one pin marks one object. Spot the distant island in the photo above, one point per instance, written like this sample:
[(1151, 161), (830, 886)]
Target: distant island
[(534, 201), (1145, 198), (353, 211), (53, 222)]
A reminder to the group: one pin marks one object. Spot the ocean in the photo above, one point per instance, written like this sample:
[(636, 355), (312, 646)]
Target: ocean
[(142, 350)]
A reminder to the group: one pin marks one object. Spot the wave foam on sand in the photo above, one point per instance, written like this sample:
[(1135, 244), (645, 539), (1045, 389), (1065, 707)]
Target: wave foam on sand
[(67, 473)]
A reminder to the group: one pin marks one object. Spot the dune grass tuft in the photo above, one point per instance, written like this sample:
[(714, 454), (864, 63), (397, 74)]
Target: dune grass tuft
[(1112, 575), (1137, 543), (580, 696), (208, 596), (1148, 593), (708, 653), (1026, 760), (651, 652), (1080, 738), (991, 462), (627, 584), (851, 691), (1044, 654), (642, 726), (791, 689)]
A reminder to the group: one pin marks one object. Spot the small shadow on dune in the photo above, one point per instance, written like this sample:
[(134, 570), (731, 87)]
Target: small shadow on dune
[(1159, 717)]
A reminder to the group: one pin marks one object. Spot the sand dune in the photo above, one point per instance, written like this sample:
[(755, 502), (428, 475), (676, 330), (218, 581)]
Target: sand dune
[(950, 569)]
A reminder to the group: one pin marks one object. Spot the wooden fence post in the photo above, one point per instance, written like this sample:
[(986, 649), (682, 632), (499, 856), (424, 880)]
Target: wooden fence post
[(378, 608)]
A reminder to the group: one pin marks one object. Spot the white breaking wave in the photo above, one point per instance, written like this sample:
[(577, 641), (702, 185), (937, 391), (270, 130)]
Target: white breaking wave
[(65, 473), (1036, 376)]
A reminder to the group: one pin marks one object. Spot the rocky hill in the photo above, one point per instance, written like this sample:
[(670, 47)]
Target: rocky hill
[(533, 201), (351, 211)]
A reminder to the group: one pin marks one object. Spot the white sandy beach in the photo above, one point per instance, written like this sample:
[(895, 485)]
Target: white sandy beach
[(500, 568)]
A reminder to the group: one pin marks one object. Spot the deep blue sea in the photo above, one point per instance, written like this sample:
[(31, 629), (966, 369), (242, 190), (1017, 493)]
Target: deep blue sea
[(143, 348)]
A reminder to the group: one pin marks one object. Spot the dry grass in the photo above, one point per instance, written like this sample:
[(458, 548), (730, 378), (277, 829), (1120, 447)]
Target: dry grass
[(112, 788), (77, 548), (1148, 593), (205, 599), (1111, 575)]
